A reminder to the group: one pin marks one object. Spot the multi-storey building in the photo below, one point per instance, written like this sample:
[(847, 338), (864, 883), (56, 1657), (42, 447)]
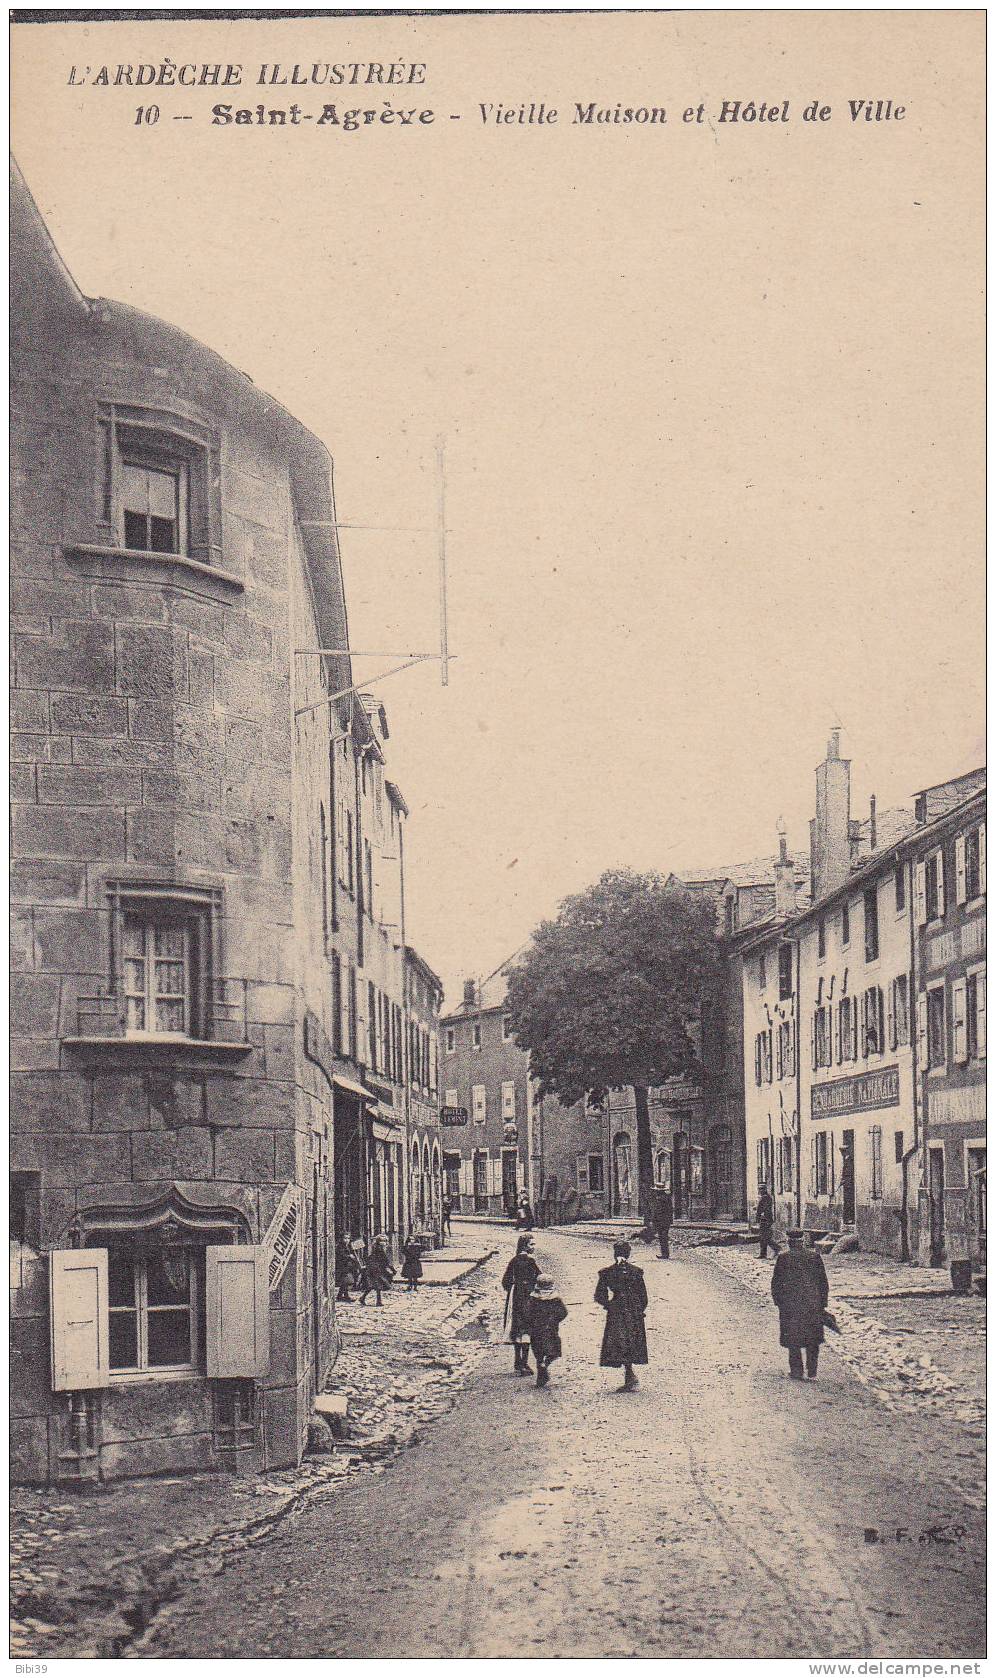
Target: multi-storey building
[(947, 855), (424, 995), (206, 995)]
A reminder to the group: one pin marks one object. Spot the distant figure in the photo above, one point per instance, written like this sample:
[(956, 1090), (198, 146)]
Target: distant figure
[(800, 1289), (518, 1281), (524, 1214), (447, 1209), (622, 1293), (347, 1268), (411, 1270), (765, 1222), (546, 1311), (378, 1274), (663, 1219)]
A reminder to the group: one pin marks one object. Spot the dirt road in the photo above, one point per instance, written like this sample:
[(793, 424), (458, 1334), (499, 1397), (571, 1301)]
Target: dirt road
[(720, 1510)]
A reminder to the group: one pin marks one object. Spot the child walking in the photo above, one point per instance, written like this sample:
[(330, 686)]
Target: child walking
[(379, 1273), (546, 1313), (411, 1270)]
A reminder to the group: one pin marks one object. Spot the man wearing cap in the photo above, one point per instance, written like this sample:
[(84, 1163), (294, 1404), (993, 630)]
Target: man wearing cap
[(800, 1289), (622, 1293)]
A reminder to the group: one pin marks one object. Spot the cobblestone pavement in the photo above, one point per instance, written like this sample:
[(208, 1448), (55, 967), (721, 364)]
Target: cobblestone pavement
[(720, 1510)]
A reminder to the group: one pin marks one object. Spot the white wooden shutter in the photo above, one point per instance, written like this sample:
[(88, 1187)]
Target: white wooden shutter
[(466, 1176), (982, 859), (941, 900), (921, 1032), (479, 1096), (450, 1099), (494, 1176), (237, 1302), (920, 893), (508, 1100), (78, 1319), (960, 891), (959, 1019)]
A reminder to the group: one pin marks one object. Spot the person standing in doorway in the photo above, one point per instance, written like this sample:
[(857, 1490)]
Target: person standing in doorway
[(546, 1311), (518, 1281), (663, 1219), (622, 1293), (765, 1222), (800, 1289), (447, 1211)]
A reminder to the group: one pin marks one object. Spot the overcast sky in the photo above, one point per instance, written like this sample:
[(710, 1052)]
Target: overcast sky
[(711, 398)]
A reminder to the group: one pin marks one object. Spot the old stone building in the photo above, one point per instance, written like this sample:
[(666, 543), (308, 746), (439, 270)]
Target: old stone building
[(207, 985)]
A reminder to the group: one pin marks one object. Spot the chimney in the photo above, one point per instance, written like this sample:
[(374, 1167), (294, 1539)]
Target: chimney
[(470, 993), (872, 826), (784, 876), (831, 830)]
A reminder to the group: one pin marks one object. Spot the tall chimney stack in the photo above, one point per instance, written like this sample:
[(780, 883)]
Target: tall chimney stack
[(831, 830), (872, 824), (470, 993), (784, 876)]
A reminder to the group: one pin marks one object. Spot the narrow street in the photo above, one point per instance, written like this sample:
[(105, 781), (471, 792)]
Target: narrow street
[(718, 1511)]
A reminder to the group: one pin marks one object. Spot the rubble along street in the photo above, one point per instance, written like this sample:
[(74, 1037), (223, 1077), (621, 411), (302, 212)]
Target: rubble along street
[(467, 1513)]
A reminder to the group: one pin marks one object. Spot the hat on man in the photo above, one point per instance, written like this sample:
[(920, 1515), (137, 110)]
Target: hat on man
[(795, 1234)]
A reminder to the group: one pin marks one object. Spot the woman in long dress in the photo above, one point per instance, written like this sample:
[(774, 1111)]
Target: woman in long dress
[(518, 1282)]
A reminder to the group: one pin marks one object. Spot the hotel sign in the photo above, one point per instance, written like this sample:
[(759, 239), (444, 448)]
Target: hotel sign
[(860, 1094), (453, 1115)]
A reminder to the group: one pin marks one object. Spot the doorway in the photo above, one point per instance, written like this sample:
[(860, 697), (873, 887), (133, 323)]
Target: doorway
[(847, 1176), (480, 1182), (977, 1204), (622, 1174), (509, 1180), (724, 1187), (679, 1192), (937, 1205)]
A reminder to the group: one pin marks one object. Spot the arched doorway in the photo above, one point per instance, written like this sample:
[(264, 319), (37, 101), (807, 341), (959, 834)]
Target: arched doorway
[(623, 1186), (722, 1172), (437, 1183), (415, 1215)]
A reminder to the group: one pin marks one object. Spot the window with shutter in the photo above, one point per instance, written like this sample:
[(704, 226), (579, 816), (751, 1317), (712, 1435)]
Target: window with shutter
[(237, 1312), (78, 1319), (921, 1031), (920, 892), (961, 891), (959, 1020)]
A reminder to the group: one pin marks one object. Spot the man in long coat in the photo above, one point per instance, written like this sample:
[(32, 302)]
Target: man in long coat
[(622, 1293), (800, 1289), (663, 1219), (765, 1221)]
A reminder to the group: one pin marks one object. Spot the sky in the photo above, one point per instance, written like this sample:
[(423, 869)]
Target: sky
[(711, 397)]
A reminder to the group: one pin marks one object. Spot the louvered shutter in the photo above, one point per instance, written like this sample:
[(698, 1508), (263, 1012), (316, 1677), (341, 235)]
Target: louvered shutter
[(466, 1177), (959, 1020), (920, 893), (941, 900), (757, 1058), (982, 859), (980, 1014), (237, 1312), (842, 1004), (892, 1015), (961, 892), (78, 1319), (921, 1032)]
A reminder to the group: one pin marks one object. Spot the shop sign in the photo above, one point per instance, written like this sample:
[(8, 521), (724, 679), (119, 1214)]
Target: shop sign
[(859, 1094)]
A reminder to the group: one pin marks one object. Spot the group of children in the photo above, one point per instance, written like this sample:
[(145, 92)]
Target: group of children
[(373, 1272)]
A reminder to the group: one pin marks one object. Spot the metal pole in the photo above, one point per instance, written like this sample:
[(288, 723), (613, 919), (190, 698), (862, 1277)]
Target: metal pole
[(443, 631)]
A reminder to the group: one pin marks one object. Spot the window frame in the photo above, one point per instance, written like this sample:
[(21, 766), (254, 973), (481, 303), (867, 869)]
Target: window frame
[(451, 1039), (139, 1257), (599, 1186), (845, 924), (872, 936), (197, 907), (159, 439), (875, 1165), (936, 1032), (785, 973)]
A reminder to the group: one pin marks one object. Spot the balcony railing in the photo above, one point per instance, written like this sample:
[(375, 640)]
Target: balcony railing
[(225, 1017)]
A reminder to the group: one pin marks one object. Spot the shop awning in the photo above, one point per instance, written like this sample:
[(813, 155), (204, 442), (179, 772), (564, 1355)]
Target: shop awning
[(353, 1088), (383, 1131)]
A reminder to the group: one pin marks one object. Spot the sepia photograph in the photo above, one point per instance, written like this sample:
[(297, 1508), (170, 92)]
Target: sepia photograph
[(498, 837)]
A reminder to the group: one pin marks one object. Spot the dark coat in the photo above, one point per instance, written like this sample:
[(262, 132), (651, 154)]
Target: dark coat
[(622, 1292), (379, 1271), (518, 1280), (663, 1210), (524, 1216), (765, 1213), (411, 1270), (546, 1312), (800, 1289)]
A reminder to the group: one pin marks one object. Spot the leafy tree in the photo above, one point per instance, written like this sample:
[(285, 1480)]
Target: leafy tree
[(606, 993)]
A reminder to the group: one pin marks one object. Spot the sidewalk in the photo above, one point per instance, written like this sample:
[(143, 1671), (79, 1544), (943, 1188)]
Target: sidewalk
[(89, 1573), (465, 1251)]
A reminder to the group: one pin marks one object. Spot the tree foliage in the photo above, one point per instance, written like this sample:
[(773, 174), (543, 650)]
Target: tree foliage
[(606, 993)]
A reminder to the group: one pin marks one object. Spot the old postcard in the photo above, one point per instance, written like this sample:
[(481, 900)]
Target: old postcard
[(498, 961)]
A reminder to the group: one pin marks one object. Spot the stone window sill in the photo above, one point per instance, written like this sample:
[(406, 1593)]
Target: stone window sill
[(138, 564), (136, 1377), (159, 1048)]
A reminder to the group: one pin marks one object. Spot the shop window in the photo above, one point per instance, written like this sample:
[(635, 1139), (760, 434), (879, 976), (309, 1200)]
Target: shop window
[(153, 1300)]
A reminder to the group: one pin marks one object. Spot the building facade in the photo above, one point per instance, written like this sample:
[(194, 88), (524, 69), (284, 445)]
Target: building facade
[(424, 996), (947, 858), (486, 1103), (207, 978)]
